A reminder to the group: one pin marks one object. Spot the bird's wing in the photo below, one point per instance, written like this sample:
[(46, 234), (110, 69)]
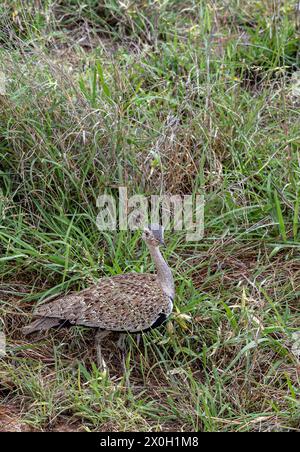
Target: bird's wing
[(130, 302)]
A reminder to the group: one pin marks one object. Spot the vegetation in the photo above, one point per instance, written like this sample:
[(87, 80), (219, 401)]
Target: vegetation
[(164, 96)]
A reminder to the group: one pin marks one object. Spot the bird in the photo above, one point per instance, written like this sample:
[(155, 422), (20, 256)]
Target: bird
[(124, 303)]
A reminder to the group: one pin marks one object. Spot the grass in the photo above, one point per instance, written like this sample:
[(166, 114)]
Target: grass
[(173, 97)]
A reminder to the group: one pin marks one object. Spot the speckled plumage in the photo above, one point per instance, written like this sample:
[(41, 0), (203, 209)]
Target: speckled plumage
[(132, 302)]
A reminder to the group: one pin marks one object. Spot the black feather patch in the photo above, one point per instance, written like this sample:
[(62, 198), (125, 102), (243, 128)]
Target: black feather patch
[(159, 321)]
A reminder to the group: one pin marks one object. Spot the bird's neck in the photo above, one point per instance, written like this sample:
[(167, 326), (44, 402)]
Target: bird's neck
[(164, 273)]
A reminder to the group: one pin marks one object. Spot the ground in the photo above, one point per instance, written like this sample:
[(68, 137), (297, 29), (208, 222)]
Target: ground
[(190, 97)]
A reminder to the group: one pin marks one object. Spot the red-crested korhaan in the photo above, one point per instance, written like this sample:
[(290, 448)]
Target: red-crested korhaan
[(127, 303)]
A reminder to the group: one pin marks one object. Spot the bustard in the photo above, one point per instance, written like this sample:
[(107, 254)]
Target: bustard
[(132, 302)]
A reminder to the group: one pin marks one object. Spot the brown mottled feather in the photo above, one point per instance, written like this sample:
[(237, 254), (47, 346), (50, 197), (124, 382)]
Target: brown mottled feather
[(131, 302), (41, 324)]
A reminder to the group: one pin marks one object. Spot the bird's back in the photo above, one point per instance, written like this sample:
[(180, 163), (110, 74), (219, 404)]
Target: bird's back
[(131, 302)]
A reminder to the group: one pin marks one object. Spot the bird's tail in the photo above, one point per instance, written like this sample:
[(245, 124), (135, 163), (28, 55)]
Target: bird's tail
[(41, 324)]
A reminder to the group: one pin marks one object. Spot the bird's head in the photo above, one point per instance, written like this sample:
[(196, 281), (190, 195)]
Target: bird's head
[(153, 235)]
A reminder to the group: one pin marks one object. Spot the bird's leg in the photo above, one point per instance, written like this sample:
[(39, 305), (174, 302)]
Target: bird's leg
[(121, 342), (100, 335), (138, 340)]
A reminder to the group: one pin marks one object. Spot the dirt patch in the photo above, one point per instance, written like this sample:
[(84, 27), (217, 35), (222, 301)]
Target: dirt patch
[(10, 420), (66, 427)]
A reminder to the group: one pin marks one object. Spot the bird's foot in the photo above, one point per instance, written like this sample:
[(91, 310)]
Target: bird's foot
[(102, 366)]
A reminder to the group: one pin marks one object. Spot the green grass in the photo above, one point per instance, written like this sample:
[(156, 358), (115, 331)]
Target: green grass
[(179, 97)]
